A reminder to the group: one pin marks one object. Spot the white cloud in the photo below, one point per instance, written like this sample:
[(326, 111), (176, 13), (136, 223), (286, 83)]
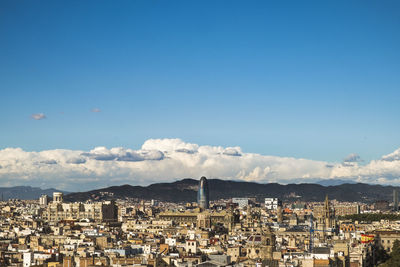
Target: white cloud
[(96, 110), (392, 156), (353, 157), (122, 154), (232, 151), (163, 160), (49, 161), (38, 116), (77, 160)]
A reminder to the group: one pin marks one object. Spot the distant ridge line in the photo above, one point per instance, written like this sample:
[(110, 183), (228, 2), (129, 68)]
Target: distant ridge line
[(185, 190)]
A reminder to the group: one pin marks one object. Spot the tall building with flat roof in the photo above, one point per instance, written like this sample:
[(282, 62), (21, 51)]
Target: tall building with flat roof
[(44, 200), (395, 200), (203, 197)]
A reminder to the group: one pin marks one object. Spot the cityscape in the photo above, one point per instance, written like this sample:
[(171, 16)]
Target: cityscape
[(240, 231), (148, 133)]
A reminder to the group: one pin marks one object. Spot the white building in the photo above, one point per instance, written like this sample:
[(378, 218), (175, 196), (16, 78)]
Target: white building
[(241, 201), (28, 259), (44, 200), (191, 246), (272, 203), (170, 241)]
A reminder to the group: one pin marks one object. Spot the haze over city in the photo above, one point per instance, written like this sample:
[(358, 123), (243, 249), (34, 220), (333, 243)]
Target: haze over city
[(95, 94)]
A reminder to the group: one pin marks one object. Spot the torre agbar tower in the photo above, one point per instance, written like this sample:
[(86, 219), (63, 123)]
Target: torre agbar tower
[(203, 194)]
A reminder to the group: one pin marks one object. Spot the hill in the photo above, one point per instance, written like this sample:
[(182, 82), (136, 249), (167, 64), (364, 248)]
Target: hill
[(186, 191), (25, 192)]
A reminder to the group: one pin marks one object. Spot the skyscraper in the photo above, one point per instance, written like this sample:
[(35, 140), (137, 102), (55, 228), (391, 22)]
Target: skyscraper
[(395, 200), (203, 194)]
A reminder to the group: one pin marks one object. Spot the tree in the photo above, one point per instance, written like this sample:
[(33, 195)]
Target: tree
[(394, 260)]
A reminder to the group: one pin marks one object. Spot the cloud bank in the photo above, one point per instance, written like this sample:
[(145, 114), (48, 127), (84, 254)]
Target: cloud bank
[(163, 160)]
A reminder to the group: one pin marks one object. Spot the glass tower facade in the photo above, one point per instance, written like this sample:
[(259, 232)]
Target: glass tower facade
[(203, 197)]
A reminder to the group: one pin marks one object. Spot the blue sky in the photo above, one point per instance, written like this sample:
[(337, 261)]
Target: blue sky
[(309, 79)]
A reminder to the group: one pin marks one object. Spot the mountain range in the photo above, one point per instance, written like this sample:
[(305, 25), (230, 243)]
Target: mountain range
[(25, 192), (186, 191)]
